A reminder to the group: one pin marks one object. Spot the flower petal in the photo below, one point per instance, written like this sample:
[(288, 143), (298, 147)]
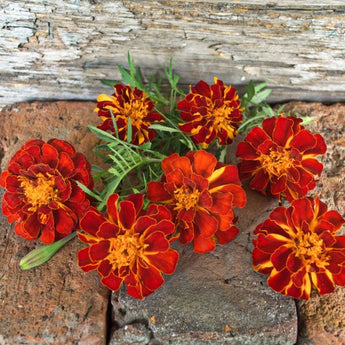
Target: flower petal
[(164, 261), (150, 277), (91, 221), (112, 282), (127, 214), (156, 192), (156, 242), (207, 224), (203, 244)]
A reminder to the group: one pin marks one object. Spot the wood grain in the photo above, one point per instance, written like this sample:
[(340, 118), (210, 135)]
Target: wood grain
[(60, 49)]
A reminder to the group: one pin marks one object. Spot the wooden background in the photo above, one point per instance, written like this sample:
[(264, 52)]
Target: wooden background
[(60, 49)]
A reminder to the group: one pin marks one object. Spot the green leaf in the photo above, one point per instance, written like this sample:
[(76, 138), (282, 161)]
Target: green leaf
[(259, 87), (99, 133), (250, 90), (114, 123), (268, 110), (126, 77), (163, 128), (88, 191), (280, 109), (261, 96), (129, 130), (109, 82)]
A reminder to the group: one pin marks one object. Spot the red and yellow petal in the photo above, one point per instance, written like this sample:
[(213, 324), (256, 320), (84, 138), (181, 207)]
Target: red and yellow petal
[(99, 250), (156, 242), (150, 276), (84, 261)]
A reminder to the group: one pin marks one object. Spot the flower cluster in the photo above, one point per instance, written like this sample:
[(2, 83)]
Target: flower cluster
[(167, 178), (296, 246)]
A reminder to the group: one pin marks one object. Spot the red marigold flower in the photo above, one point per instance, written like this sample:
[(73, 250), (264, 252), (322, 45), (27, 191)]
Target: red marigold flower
[(201, 194), (280, 157), (298, 249), (42, 194), (210, 112), (128, 245), (127, 103)]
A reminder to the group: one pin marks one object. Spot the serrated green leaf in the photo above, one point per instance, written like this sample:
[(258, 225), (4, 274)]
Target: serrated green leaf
[(268, 110), (260, 86), (280, 109), (126, 77), (114, 123)]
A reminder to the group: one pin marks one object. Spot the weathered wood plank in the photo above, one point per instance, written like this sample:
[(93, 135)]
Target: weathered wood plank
[(57, 49)]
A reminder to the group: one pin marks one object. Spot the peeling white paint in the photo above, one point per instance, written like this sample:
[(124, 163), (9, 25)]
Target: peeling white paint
[(61, 49)]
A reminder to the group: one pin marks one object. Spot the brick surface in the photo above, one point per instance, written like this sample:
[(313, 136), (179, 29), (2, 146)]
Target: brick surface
[(322, 319), (55, 303)]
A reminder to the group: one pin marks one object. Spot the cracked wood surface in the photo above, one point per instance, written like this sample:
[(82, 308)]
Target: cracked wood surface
[(59, 49)]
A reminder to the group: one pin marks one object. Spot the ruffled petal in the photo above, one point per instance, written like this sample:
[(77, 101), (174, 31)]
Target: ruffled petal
[(164, 261)]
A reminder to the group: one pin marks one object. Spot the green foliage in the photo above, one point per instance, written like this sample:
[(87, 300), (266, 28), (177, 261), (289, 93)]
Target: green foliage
[(124, 173), (130, 166), (257, 109)]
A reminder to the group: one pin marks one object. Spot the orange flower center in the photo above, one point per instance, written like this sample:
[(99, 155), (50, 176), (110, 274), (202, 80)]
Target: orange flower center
[(220, 116), (40, 191), (136, 110), (276, 163), (309, 247), (186, 198), (123, 250)]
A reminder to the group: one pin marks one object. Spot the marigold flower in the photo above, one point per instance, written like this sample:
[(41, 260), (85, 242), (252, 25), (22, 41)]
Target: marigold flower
[(127, 103), (128, 245), (210, 112), (298, 249), (280, 158), (201, 194), (42, 194)]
